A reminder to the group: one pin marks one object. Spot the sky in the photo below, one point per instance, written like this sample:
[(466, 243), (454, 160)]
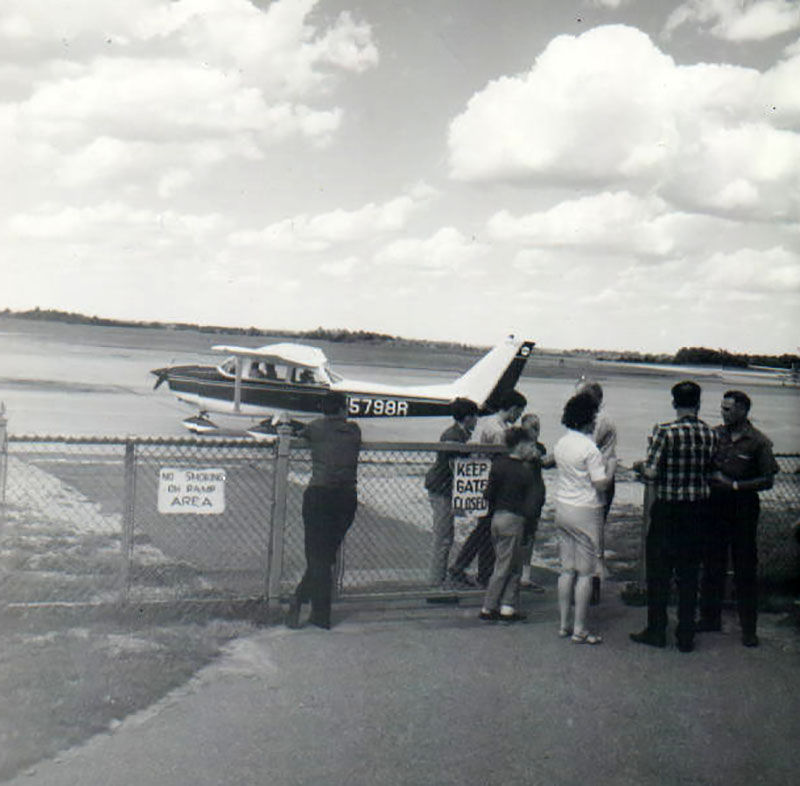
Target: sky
[(606, 174)]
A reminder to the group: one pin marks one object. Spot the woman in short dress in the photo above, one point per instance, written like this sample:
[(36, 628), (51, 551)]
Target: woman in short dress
[(582, 477)]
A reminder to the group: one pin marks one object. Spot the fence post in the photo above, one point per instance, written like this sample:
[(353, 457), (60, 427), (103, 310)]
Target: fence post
[(3, 452), (278, 522), (128, 520)]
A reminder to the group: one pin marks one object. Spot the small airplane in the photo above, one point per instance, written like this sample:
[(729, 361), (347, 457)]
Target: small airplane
[(287, 382)]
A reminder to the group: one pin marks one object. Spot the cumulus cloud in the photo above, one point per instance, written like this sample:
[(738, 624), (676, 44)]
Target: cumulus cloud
[(340, 268), (445, 251), (608, 107), (319, 232), (753, 271), (101, 88), (619, 222), (737, 20), (609, 3), (112, 222)]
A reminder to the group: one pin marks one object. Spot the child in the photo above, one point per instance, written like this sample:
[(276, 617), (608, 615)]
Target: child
[(508, 493)]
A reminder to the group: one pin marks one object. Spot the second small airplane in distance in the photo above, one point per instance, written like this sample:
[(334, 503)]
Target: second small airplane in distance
[(288, 381)]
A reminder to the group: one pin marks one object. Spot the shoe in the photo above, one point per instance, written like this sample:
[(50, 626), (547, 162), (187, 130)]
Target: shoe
[(650, 637), (685, 645), (320, 621), (531, 586), (489, 616), (459, 578), (515, 616), (587, 638), (564, 633), (749, 640), (292, 618), (707, 626)]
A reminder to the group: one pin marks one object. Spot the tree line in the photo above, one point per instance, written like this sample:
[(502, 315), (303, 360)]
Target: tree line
[(685, 356), (335, 335)]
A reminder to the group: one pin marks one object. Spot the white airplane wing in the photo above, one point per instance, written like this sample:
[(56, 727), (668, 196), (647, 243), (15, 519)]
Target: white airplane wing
[(293, 354)]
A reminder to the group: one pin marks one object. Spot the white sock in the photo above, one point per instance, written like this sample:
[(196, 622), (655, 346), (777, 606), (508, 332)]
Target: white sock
[(526, 573), (506, 610)]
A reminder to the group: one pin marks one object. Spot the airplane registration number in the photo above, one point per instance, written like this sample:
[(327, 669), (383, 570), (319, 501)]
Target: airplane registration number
[(377, 407)]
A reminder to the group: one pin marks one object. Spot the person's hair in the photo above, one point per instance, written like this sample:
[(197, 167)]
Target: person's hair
[(512, 398), (686, 394), (530, 417), (740, 397), (588, 386), (334, 402), (580, 411), (461, 408), (516, 436)]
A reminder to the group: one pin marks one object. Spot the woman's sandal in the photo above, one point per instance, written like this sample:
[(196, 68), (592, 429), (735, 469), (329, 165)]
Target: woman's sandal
[(587, 638)]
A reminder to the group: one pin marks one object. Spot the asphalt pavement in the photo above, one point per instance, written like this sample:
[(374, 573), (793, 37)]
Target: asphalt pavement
[(427, 695)]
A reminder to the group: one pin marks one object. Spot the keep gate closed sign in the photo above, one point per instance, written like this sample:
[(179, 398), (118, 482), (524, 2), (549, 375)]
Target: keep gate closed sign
[(470, 476)]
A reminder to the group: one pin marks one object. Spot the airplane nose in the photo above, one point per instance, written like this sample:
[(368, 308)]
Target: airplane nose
[(161, 374)]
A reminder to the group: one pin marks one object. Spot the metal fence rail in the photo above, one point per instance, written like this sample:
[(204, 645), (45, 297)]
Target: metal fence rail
[(89, 521)]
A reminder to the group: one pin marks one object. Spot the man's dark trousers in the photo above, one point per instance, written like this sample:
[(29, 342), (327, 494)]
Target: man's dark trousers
[(674, 545), (479, 542), (733, 527), (328, 513)]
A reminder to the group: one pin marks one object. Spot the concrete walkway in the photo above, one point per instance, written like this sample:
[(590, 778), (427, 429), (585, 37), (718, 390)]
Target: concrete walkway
[(427, 695)]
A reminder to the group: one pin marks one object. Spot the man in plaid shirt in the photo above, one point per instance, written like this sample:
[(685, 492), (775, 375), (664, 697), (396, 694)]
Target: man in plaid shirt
[(679, 462)]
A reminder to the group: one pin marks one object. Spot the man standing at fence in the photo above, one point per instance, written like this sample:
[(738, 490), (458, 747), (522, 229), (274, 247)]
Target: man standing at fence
[(439, 485), (490, 430), (744, 465), (680, 462), (329, 506)]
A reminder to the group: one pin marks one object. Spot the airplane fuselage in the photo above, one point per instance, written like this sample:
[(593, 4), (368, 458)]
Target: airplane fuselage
[(294, 379), (206, 388)]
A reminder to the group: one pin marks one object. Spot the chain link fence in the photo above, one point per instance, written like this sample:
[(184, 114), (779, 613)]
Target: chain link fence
[(104, 521)]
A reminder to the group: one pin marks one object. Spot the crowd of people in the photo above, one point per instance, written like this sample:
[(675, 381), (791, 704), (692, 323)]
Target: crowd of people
[(704, 486)]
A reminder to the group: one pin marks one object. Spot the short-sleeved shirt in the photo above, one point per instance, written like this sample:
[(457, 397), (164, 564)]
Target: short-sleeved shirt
[(681, 455), (605, 437), (510, 485), (747, 457), (579, 463), (335, 444), (491, 430), (439, 478)]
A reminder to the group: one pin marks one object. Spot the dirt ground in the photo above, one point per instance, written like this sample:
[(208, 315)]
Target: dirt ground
[(393, 695)]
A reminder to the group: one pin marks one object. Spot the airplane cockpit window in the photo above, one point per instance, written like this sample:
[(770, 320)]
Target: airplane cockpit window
[(306, 376), (262, 370)]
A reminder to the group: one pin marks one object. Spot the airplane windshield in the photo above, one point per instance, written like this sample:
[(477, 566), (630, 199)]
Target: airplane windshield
[(332, 375)]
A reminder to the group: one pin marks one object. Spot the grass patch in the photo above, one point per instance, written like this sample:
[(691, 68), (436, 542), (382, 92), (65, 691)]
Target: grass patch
[(64, 678)]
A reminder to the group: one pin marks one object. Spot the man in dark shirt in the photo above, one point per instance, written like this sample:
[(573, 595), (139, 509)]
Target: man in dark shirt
[(679, 460), (329, 506), (439, 485), (744, 465)]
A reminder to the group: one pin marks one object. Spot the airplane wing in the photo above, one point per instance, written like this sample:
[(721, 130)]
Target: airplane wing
[(294, 354)]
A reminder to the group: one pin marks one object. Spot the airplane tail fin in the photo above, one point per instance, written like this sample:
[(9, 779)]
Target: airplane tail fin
[(495, 373)]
